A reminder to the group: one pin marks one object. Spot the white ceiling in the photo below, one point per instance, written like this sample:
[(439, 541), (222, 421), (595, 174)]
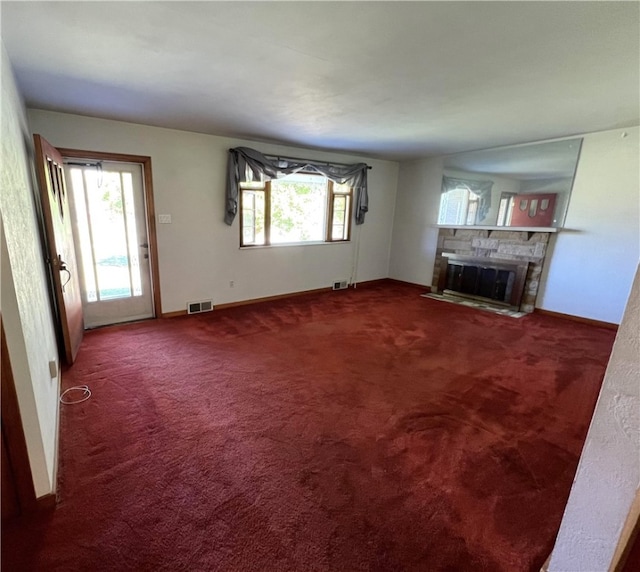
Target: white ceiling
[(388, 79)]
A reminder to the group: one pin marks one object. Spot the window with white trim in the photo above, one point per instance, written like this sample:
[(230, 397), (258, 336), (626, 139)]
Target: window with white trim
[(458, 206), (297, 209)]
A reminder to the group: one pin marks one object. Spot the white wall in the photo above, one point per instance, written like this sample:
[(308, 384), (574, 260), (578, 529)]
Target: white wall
[(25, 304), (589, 267), (593, 262), (608, 474), (415, 236), (199, 254)]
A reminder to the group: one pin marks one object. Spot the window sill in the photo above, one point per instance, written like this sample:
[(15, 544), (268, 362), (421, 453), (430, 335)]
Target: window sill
[(294, 244)]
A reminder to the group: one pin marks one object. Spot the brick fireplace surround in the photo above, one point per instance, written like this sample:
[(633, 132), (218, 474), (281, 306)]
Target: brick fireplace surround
[(502, 244)]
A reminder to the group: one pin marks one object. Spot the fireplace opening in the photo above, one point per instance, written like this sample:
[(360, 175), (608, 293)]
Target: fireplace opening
[(500, 282)]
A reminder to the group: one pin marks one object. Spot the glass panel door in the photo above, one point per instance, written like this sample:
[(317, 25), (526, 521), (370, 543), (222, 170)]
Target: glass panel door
[(108, 212)]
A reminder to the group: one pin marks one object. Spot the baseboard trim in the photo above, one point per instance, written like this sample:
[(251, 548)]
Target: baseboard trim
[(270, 298), (46, 503), (364, 284), (600, 324), (377, 282), (56, 450), (173, 314), (370, 283), (250, 301)]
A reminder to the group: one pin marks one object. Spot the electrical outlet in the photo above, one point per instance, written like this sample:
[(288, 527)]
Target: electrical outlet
[(231, 283), (164, 218), (53, 369)]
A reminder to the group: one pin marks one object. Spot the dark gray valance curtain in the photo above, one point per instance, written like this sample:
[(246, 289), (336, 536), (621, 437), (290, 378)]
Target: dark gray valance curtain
[(480, 188), (247, 165)]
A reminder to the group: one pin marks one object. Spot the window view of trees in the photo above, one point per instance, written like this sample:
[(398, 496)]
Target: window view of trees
[(105, 219), (300, 208)]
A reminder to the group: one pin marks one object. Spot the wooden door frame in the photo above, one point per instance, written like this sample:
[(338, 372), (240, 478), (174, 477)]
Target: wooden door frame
[(150, 212), (630, 532), (13, 431)]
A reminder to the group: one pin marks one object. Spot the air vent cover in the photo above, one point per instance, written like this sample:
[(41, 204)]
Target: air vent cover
[(198, 307)]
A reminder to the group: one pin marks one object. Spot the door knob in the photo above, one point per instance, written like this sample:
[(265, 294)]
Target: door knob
[(62, 267)]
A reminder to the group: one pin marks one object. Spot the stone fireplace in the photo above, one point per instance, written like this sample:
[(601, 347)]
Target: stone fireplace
[(502, 267)]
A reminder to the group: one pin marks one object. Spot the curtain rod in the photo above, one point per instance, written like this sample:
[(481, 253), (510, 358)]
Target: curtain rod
[(310, 161)]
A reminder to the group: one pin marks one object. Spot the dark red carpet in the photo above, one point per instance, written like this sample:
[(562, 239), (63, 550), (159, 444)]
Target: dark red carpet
[(368, 429)]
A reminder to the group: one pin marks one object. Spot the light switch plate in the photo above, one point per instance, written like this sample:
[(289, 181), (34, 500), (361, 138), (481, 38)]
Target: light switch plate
[(164, 218)]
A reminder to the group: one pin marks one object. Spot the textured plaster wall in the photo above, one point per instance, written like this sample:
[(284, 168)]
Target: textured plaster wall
[(199, 254), (25, 304), (608, 474)]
